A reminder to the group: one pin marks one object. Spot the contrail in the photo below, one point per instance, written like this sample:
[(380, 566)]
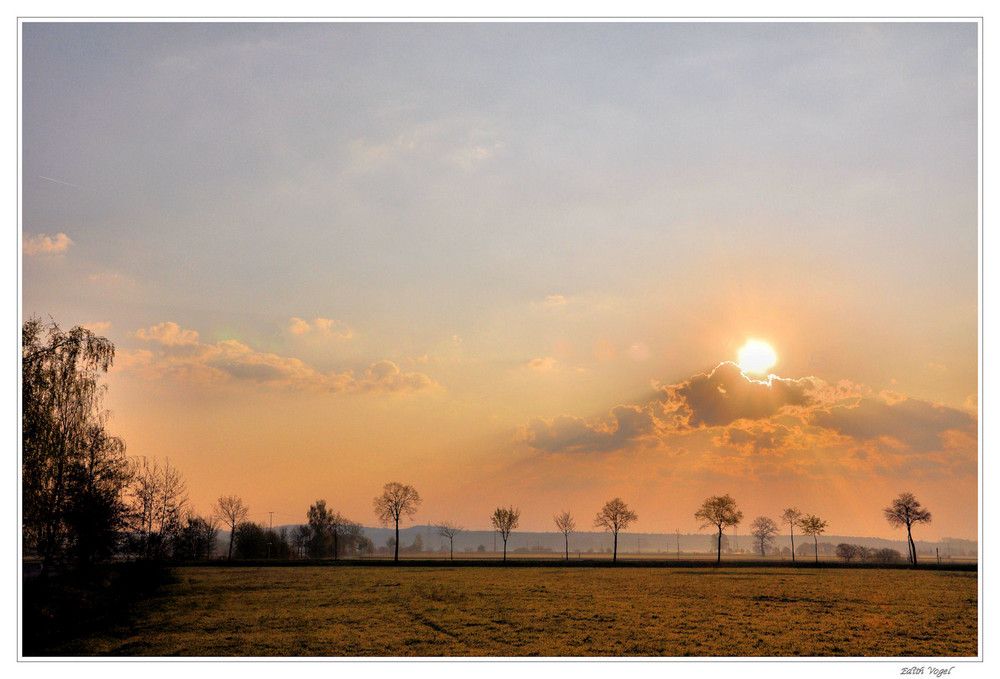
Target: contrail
[(59, 182)]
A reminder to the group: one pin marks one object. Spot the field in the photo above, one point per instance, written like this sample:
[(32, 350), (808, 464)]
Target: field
[(547, 611)]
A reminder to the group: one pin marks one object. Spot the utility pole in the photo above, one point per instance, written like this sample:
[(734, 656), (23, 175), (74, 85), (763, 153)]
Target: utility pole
[(270, 532)]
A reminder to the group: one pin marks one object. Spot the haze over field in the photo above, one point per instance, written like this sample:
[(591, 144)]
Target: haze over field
[(515, 264)]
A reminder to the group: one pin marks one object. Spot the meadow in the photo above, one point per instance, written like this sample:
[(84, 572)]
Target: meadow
[(545, 611)]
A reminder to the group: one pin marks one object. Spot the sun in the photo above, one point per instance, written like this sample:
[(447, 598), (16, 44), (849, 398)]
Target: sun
[(756, 356)]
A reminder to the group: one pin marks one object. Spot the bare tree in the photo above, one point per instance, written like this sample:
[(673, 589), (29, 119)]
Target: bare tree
[(791, 516), (505, 521), (614, 517), (447, 529), (721, 512), (396, 500), (906, 510), (763, 529), (814, 526), (346, 534), (158, 500), (300, 539), (566, 525), (231, 510)]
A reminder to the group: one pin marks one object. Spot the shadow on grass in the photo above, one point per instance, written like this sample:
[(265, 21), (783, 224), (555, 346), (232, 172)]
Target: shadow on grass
[(68, 607)]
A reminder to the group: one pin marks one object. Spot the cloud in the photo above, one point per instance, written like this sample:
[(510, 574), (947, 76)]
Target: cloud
[(726, 394), (542, 364), (627, 427), (98, 326), (44, 245), (168, 333), (468, 157), (320, 327), (751, 427), (918, 425), (178, 354)]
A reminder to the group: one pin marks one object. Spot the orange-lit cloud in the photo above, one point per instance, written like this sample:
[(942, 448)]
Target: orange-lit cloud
[(627, 427), (177, 353), (542, 364), (168, 333), (918, 425), (45, 245), (98, 326), (726, 394), (750, 427), (320, 327)]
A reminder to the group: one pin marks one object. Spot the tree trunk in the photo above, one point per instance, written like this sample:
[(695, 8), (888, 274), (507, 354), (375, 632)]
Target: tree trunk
[(566, 535), (451, 542), (614, 558), (791, 536), (232, 534), (396, 557), (816, 545), (505, 550), (913, 547), (718, 558)]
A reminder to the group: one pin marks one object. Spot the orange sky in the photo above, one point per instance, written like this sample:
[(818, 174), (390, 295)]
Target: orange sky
[(514, 263)]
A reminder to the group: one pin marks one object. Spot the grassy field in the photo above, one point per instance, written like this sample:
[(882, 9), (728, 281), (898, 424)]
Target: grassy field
[(546, 611)]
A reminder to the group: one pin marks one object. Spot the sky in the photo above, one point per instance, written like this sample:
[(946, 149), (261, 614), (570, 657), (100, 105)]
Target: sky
[(514, 263)]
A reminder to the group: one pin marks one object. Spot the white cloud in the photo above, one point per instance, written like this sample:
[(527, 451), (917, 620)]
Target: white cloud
[(44, 245)]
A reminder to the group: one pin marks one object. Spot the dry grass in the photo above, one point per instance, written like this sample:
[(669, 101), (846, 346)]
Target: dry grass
[(495, 611)]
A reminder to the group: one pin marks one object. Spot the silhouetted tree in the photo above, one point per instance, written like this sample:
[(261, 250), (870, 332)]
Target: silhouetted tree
[(73, 473), (346, 534), (718, 542), (300, 539), (906, 510), (887, 555), (566, 525), (159, 497), (365, 546), (196, 538), (791, 516), (721, 512), (763, 529), (321, 527), (250, 541), (396, 500), (848, 552), (504, 521), (814, 526), (231, 510), (447, 529), (417, 546), (614, 517)]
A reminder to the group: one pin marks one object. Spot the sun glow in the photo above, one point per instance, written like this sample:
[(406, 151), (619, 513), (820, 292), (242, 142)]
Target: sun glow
[(756, 356)]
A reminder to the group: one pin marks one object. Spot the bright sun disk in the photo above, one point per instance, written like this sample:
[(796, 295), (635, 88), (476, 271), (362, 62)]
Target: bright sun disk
[(756, 356)]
